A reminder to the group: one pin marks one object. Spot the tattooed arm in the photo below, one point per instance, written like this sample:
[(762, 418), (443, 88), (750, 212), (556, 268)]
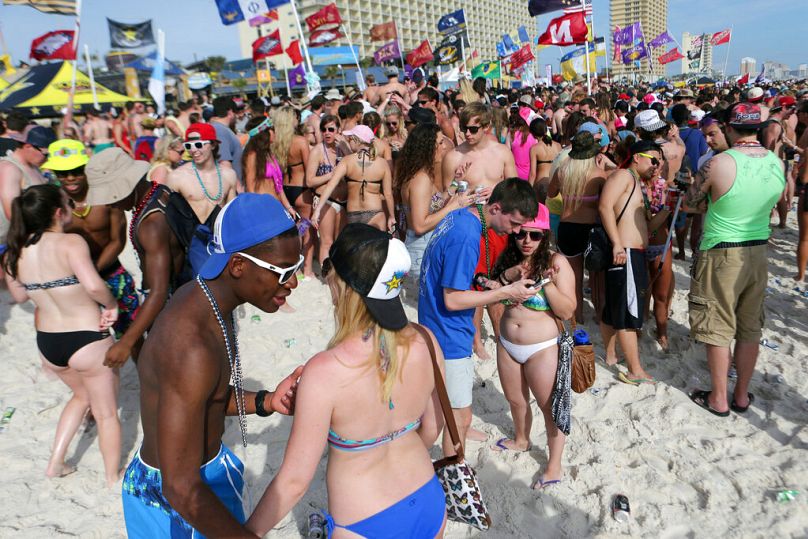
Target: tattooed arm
[(696, 196)]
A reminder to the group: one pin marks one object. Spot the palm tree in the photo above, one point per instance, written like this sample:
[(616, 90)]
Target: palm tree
[(215, 63), (331, 73)]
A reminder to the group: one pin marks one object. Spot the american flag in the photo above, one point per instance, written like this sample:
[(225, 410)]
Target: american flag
[(577, 9)]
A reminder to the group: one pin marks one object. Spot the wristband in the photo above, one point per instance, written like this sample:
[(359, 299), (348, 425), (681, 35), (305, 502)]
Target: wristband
[(260, 411)]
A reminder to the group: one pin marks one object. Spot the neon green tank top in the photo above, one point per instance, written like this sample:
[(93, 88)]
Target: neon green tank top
[(742, 213)]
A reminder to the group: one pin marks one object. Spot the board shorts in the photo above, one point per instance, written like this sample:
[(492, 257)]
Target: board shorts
[(625, 292)]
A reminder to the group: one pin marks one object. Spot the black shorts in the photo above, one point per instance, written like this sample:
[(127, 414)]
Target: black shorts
[(573, 238), (625, 292)]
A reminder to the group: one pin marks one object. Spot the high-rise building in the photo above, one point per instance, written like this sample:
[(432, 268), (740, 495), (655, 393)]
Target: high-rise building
[(697, 44), (748, 65), (776, 70), (653, 17)]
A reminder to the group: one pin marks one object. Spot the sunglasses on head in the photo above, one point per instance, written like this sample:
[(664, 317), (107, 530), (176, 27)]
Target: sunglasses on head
[(195, 145), (535, 235), (284, 273), (331, 129), (473, 129), (654, 161), (75, 173)]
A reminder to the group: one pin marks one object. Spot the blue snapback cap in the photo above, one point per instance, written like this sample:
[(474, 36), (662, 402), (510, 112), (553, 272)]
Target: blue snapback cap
[(246, 221), (596, 129)]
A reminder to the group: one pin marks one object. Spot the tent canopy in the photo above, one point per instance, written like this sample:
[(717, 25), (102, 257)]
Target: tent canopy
[(146, 64), (3, 83), (44, 91)]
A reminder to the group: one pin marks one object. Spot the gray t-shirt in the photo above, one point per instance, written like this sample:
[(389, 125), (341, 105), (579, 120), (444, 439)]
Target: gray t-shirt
[(229, 146)]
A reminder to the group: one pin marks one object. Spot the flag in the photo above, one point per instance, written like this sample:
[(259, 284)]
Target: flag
[(157, 82), (662, 39), (743, 80), (501, 50), (268, 45), (318, 38), (62, 7), (587, 9), (510, 46), (523, 37), (540, 7), (719, 38), (297, 77), (387, 52), (521, 57), (487, 70), (599, 48), (628, 35), (385, 31), (326, 18), (421, 54), (448, 52), (565, 30), (130, 36), (252, 11), (265, 18), (670, 56), (56, 45), (452, 23), (760, 77), (293, 52), (574, 62), (634, 53)]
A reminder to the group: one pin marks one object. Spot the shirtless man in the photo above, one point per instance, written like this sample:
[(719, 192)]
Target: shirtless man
[(117, 180), (97, 132), (184, 481), (136, 116), (773, 136), (429, 98), (393, 85), (371, 93), (202, 182), (177, 125), (313, 119), (482, 162)]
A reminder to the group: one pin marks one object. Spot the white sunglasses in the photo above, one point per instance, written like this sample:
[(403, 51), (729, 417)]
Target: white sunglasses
[(285, 273), (195, 145)]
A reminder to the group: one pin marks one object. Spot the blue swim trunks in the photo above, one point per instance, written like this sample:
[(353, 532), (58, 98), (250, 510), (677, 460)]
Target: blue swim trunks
[(148, 514)]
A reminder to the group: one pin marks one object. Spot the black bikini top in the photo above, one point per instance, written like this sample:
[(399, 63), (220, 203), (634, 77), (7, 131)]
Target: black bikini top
[(363, 181), (56, 283)]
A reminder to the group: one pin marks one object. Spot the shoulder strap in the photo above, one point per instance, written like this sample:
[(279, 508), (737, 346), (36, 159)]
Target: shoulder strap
[(440, 386), (633, 188)]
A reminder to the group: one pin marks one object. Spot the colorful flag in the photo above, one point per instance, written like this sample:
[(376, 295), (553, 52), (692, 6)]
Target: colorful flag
[(452, 23), (501, 50), (743, 80), (265, 18), (522, 32), (565, 30), (157, 81), (318, 38), (268, 45), (634, 53), (421, 54), (293, 52), (521, 57), (326, 18), (587, 9), (670, 56), (574, 62), (719, 38), (130, 36), (62, 7), (252, 11), (487, 70), (56, 45), (628, 35), (448, 52), (386, 53), (760, 77), (385, 31), (662, 39), (297, 77), (540, 7), (510, 46)]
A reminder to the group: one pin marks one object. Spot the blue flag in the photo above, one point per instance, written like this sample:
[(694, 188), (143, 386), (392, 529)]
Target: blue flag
[(451, 23), (501, 51), (509, 44), (523, 37)]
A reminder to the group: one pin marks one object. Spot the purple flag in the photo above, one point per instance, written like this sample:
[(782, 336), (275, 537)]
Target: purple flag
[(628, 35), (297, 76), (634, 53), (662, 39), (386, 53)]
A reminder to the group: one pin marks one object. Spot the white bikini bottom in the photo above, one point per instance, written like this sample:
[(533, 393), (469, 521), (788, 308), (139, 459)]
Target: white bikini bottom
[(522, 352)]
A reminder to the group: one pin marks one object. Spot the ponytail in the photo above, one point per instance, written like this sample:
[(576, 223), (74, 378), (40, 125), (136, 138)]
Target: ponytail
[(31, 215)]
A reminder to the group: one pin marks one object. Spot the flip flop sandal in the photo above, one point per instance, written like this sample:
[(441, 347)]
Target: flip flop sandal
[(701, 398), (541, 483), (741, 409), (634, 381), (500, 447), (770, 345)]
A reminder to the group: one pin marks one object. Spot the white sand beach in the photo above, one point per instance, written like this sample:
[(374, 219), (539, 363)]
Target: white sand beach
[(686, 473)]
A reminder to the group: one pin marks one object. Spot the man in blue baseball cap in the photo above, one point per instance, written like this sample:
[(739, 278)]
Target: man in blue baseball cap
[(183, 479)]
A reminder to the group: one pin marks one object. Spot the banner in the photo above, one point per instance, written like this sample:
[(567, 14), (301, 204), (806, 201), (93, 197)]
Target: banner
[(385, 31), (297, 77), (319, 38), (130, 36), (452, 23), (62, 7), (131, 82), (487, 70), (421, 54), (670, 56), (634, 53), (293, 52), (509, 43), (266, 46), (540, 7), (252, 11), (387, 53), (157, 81), (449, 51), (565, 30), (628, 35), (56, 45), (522, 33), (662, 39), (719, 38), (695, 52), (521, 57), (326, 18)]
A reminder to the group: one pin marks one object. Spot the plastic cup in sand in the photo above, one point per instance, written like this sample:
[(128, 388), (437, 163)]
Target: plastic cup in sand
[(621, 511), (785, 496), (771, 345), (775, 378)]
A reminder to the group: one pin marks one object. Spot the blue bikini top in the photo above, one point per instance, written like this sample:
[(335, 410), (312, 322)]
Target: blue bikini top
[(344, 444)]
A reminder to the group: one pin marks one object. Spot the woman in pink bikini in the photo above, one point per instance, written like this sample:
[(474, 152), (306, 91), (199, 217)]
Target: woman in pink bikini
[(262, 171)]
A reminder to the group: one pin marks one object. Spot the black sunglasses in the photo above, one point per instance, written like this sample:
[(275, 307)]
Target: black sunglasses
[(75, 173), (473, 129), (535, 235), (392, 124), (328, 129)]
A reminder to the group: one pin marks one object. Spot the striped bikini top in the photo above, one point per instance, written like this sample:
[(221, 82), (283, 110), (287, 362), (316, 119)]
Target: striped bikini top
[(56, 283), (343, 444)]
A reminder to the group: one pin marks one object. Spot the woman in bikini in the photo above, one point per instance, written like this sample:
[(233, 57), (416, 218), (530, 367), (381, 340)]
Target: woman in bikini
[(542, 154), (55, 271), (527, 353), (393, 131), (323, 159), (370, 399), (370, 193), (262, 170)]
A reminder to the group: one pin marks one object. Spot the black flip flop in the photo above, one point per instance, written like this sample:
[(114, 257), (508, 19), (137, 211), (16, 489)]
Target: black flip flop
[(741, 409), (701, 399)]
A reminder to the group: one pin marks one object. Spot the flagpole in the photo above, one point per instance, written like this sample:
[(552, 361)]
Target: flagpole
[(302, 37), (90, 73), (286, 76), (353, 52), (586, 51), (400, 50), (71, 95), (726, 60)]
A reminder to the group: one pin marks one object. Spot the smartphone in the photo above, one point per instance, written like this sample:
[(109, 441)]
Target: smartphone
[(541, 283)]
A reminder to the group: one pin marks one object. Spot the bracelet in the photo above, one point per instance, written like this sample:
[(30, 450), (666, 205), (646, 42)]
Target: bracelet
[(260, 411)]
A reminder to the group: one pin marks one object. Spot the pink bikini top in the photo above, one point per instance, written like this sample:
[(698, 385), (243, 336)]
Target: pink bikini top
[(273, 172)]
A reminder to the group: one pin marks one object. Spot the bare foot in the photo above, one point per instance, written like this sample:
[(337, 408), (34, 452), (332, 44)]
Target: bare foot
[(612, 361), (476, 435), (480, 351), (113, 481), (640, 376), (62, 471), (309, 275), (506, 444), (663, 342)]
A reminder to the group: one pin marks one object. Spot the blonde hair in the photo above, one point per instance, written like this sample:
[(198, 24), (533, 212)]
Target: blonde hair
[(392, 110), (351, 316), (467, 92), (283, 120), (573, 175), (161, 149)]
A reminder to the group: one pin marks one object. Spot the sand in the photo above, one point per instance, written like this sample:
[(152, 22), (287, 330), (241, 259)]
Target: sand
[(685, 472)]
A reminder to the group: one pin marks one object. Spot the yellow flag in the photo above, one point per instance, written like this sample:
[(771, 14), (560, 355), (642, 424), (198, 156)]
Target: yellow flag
[(5, 59)]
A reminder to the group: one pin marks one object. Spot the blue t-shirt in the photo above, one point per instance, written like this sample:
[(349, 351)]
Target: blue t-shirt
[(449, 262), (695, 145), (229, 147)]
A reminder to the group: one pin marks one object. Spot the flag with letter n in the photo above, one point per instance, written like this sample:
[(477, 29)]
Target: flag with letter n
[(452, 23), (60, 7)]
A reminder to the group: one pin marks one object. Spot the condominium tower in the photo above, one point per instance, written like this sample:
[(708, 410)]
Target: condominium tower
[(653, 17), (748, 65)]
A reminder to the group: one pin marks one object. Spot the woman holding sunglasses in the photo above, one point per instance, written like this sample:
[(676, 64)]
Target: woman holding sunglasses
[(527, 353)]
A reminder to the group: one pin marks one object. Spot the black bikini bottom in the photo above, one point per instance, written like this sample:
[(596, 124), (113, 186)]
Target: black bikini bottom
[(292, 192), (58, 348)]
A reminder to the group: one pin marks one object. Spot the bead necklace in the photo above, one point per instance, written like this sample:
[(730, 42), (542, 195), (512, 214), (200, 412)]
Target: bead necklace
[(218, 197), (233, 358), (84, 212), (747, 144), (138, 210), (485, 238)]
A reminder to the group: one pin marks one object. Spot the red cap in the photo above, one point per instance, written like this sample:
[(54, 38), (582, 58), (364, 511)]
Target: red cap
[(538, 104), (201, 132), (786, 101), (624, 97)]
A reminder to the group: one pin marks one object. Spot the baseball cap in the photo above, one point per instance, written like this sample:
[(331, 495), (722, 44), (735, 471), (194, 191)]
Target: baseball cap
[(696, 116), (201, 132), (596, 129), (624, 97), (391, 71), (649, 98), (374, 265), (362, 132), (783, 101), (66, 154), (244, 222), (642, 146), (542, 220), (746, 116), (39, 136), (112, 176), (754, 94), (648, 120)]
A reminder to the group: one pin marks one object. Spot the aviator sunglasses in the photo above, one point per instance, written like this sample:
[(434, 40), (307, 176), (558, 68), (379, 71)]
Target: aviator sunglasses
[(284, 273), (535, 235)]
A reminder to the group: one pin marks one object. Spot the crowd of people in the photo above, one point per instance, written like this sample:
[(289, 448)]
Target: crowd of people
[(472, 199)]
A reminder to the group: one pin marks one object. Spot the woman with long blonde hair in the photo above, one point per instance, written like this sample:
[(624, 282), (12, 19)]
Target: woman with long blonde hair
[(370, 398), (393, 131), (168, 153)]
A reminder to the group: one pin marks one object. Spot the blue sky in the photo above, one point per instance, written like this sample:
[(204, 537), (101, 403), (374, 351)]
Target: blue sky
[(763, 29)]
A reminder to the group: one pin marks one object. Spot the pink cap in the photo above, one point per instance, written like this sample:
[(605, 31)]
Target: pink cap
[(362, 132), (542, 220)]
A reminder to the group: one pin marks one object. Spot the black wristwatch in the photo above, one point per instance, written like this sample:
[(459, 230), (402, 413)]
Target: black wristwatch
[(260, 411)]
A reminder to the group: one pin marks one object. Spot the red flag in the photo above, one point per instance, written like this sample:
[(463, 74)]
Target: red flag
[(323, 37), (670, 56), (293, 51), (719, 38), (567, 30), (327, 17), (385, 31), (56, 45), (521, 57), (268, 45), (743, 80), (420, 55)]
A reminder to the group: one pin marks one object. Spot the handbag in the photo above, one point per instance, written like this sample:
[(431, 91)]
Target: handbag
[(583, 362), (464, 502), (598, 254)]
